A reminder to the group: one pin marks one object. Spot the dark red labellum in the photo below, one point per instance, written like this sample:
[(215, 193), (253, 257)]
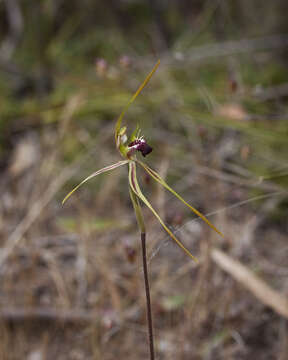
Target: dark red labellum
[(141, 145)]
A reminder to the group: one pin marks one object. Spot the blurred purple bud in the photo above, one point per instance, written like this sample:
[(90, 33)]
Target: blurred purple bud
[(125, 61), (101, 66), (130, 253)]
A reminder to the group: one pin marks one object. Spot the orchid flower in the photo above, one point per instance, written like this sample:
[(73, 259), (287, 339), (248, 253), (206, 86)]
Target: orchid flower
[(128, 148)]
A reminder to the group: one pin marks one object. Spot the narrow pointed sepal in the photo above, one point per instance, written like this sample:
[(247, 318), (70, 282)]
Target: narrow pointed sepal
[(98, 172), (158, 178), (120, 118), (133, 182)]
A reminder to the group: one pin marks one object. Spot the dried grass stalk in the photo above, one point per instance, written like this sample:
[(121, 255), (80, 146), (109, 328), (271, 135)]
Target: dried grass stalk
[(248, 279)]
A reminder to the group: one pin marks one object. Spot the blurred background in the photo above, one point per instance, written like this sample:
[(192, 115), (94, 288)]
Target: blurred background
[(215, 113)]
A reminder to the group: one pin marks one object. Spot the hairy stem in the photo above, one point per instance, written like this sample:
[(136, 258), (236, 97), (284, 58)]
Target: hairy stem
[(148, 301)]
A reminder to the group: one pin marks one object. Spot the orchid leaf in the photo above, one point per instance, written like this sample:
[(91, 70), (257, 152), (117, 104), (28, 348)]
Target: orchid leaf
[(158, 178), (136, 189), (141, 87), (98, 172)]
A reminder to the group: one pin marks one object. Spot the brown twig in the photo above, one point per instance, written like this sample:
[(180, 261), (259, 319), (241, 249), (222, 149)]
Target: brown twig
[(15, 314)]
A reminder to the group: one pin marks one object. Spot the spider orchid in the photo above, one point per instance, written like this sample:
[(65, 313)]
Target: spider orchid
[(128, 148)]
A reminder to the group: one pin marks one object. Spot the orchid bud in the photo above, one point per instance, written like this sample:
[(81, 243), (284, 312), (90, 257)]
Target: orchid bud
[(130, 252), (125, 61), (101, 67)]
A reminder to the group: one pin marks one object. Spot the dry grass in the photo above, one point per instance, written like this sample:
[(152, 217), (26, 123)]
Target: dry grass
[(71, 281), (76, 295)]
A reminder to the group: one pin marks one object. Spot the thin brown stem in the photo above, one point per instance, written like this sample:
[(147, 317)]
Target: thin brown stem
[(148, 301)]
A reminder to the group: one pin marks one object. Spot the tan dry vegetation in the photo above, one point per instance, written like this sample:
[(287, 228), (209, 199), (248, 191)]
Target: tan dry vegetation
[(71, 283), (78, 294)]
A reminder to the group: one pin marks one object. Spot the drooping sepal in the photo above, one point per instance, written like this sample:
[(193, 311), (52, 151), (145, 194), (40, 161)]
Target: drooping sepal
[(158, 178), (133, 182), (98, 172)]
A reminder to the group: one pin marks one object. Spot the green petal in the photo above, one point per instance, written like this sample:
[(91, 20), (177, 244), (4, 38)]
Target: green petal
[(141, 87), (136, 189), (135, 134), (98, 172), (158, 178)]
